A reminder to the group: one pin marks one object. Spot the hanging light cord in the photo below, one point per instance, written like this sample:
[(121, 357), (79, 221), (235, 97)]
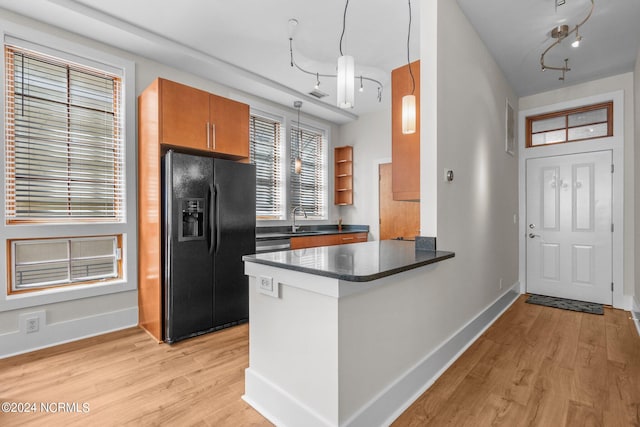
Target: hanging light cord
[(413, 81), (344, 24), (316, 74), (299, 134)]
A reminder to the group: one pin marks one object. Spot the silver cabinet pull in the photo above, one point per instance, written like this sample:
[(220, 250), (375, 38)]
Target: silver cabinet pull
[(208, 137), (213, 131)]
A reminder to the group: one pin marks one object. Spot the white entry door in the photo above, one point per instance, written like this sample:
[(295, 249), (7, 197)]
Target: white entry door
[(569, 230)]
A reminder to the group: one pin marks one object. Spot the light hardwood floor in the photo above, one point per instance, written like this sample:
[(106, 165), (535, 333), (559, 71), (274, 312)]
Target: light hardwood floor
[(535, 366)]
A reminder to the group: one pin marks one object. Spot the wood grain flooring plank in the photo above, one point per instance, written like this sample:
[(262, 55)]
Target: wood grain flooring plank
[(535, 366)]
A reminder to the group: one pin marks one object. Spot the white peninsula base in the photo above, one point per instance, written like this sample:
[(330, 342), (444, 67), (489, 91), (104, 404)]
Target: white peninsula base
[(330, 352)]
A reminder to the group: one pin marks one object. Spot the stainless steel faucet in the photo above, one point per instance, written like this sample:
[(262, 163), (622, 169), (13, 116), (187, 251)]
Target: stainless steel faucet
[(295, 228)]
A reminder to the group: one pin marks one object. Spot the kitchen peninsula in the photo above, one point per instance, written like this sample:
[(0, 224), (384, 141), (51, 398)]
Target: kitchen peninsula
[(328, 328)]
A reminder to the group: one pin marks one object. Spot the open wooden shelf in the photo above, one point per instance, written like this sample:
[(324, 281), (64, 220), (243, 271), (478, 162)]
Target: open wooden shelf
[(343, 171)]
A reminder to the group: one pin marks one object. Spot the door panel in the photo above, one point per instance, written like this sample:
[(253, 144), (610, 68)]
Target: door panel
[(397, 218), (185, 116), (569, 240), (188, 268), (235, 236)]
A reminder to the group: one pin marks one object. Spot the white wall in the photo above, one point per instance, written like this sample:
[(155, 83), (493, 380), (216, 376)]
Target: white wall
[(75, 319), (636, 118), (465, 126), (370, 137), (622, 82), (476, 210)]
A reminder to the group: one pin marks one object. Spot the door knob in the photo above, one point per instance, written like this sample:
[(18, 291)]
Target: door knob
[(531, 235)]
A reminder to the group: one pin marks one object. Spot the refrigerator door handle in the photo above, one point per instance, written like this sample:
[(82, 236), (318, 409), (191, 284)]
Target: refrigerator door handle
[(217, 219), (210, 204)]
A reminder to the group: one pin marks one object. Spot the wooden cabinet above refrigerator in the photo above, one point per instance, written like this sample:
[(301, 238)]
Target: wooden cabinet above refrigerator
[(194, 119), (405, 149)]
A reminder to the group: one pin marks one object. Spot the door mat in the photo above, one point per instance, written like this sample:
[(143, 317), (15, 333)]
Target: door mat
[(566, 304)]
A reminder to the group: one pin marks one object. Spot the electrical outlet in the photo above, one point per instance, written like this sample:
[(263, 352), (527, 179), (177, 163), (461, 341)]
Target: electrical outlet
[(267, 287), (31, 322), (266, 284), (32, 325)]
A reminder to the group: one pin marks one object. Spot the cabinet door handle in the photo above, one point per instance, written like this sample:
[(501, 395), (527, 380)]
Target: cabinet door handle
[(213, 132), (347, 238), (208, 137)]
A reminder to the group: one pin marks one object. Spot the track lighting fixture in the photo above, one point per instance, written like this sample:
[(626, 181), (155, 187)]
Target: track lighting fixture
[(560, 33), (345, 75)]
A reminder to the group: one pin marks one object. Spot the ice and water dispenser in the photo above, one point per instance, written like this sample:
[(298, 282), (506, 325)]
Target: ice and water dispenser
[(192, 225)]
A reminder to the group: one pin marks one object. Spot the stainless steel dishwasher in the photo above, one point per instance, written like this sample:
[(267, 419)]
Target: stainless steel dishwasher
[(263, 246)]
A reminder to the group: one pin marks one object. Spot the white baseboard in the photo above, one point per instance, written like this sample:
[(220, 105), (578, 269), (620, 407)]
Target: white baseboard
[(18, 342), (635, 313), (290, 411), (417, 380), (391, 402)]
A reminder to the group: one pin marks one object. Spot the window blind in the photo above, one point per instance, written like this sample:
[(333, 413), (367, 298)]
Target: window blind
[(265, 153), (308, 188), (64, 140)]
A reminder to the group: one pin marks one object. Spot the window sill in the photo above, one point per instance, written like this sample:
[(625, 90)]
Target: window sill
[(61, 294)]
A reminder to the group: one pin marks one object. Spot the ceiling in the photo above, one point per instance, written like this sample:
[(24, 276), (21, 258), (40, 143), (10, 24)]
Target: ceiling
[(517, 32), (244, 43)]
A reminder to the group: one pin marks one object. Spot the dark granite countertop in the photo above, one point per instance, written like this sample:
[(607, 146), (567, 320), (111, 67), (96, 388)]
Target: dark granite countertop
[(284, 232), (357, 262)]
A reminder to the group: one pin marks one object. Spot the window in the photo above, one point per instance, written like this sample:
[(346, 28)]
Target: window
[(266, 153), (577, 124), (38, 264), (308, 189), (278, 188), (64, 141), (65, 172)]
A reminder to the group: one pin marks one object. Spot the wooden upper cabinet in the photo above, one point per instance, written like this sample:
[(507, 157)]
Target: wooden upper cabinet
[(195, 119), (229, 122), (185, 115), (405, 149)]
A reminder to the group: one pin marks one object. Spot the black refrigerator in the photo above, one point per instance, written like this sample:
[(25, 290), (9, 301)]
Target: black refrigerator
[(209, 223)]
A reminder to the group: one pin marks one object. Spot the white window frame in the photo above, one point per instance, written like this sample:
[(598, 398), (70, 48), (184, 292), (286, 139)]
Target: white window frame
[(282, 215), (62, 48)]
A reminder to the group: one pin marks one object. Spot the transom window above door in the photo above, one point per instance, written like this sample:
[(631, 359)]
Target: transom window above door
[(576, 124)]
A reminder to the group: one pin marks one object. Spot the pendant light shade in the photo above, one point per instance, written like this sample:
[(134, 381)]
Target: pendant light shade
[(298, 165), (408, 114), (409, 101), (346, 73)]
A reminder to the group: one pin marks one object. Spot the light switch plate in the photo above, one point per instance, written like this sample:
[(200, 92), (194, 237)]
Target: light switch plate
[(267, 287)]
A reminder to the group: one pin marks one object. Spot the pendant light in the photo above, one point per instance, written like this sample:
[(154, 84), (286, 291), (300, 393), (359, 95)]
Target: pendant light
[(297, 167), (346, 71), (409, 101)]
